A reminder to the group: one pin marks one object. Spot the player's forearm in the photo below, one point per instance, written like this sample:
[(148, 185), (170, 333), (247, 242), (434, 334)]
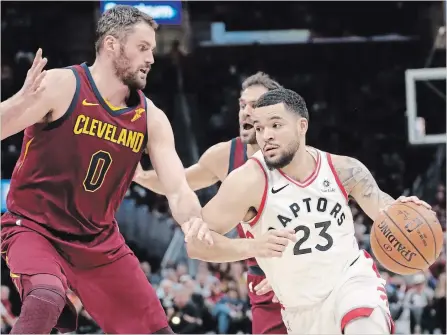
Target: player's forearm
[(223, 250), (373, 202), (184, 205), (149, 180), (11, 109)]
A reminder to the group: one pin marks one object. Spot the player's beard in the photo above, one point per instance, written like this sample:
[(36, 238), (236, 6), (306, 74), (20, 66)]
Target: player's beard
[(285, 158), (251, 139), (123, 71)]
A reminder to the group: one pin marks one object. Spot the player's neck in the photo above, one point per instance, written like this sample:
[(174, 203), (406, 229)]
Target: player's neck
[(252, 149), (109, 86), (301, 166)]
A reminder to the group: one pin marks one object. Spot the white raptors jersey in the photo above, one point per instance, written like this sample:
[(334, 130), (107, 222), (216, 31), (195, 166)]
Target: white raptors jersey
[(318, 211)]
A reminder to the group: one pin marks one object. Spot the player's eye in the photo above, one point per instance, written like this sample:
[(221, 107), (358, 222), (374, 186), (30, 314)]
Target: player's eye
[(143, 48), (258, 129), (276, 125), (242, 106)]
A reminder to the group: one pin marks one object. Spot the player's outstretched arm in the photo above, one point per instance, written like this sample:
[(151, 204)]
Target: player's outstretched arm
[(200, 175), (240, 191), (52, 102), (360, 184), (184, 204), (31, 90)]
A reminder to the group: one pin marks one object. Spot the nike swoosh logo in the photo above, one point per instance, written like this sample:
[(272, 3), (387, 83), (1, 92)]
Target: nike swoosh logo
[(85, 103), (279, 189)]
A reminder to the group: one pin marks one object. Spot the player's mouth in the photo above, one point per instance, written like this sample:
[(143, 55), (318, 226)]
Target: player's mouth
[(247, 126), (144, 70), (270, 147)]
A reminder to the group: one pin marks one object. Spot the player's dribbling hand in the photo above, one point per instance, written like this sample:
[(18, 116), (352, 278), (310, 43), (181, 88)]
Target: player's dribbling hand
[(414, 199), (32, 86), (274, 242), (197, 228)]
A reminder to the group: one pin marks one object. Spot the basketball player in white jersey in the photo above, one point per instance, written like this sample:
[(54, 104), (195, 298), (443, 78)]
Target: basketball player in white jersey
[(324, 282)]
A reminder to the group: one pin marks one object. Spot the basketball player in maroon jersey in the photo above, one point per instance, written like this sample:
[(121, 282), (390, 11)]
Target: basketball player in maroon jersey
[(30, 91), (214, 165), (84, 135)]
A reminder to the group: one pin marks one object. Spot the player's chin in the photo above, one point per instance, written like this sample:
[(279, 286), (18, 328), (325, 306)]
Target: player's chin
[(140, 83), (247, 137)]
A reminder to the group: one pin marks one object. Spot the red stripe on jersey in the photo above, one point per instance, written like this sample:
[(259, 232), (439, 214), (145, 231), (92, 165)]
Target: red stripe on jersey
[(337, 179), (309, 179)]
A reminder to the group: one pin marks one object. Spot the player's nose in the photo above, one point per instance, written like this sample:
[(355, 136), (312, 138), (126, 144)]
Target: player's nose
[(267, 134), (150, 58)]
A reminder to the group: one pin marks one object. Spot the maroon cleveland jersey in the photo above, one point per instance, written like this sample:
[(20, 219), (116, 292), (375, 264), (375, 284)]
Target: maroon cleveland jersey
[(73, 173)]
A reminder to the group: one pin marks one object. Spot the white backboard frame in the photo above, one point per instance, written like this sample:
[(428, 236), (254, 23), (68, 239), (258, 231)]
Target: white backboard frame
[(411, 76)]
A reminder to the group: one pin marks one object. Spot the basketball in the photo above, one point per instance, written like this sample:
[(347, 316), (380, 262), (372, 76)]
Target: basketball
[(406, 238)]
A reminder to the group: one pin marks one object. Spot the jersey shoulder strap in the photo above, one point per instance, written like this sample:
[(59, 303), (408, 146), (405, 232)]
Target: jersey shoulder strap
[(238, 154)]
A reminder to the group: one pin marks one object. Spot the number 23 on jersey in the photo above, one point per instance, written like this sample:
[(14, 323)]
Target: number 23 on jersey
[(300, 248)]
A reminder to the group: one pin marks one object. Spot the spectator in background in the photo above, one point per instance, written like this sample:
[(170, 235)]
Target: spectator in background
[(439, 206), (181, 269), (7, 318), (184, 316), (86, 325), (416, 299), (165, 293), (154, 279), (238, 273), (440, 302)]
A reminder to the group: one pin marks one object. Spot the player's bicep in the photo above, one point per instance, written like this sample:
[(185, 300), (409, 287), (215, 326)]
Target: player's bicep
[(44, 104), (164, 157), (240, 191), (210, 168), (361, 185)]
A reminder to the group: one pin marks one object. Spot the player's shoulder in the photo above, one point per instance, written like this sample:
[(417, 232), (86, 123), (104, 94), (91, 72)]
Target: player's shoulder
[(251, 174), (218, 151), (348, 169), (344, 162), (60, 86), (156, 117), (59, 78)]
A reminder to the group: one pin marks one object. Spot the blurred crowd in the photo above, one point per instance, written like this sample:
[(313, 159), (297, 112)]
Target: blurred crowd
[(357, 108)]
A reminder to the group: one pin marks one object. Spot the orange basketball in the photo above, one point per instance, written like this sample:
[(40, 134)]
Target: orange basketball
[(406, 238)]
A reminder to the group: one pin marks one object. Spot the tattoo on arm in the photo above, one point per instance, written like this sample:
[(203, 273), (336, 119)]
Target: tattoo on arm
[(360, 183)]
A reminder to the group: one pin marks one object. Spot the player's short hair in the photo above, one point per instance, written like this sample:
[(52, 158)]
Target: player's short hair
[(292, 100), (260, 79), (119, 20)]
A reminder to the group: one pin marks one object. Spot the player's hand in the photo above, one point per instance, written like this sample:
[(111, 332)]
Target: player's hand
[(263, 287), (414, 199), (32, 86), (273, 243), (197, 228)]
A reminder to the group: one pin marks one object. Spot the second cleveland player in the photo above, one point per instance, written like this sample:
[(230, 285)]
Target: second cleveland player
[(214, 165)]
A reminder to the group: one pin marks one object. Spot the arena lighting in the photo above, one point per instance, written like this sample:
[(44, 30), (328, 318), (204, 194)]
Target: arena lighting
[(164, 12), (4, 192), (416, 135)]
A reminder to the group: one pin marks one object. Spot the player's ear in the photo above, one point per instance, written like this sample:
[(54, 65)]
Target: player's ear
[(302, 124), (110, 43)]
